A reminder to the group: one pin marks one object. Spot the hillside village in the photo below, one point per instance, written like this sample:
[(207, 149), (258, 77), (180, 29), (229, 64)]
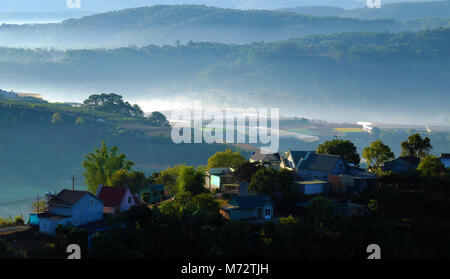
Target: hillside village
[(260, 191)]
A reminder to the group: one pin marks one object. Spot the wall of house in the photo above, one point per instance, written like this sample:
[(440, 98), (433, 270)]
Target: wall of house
[(215, 181), (358, 185), (60, 210), (127, 202), (48, 226), (312, 189), (240, 213), (87, 210)]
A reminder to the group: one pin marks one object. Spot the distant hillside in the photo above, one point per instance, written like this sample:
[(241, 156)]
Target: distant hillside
[(401, 76), (35, 151), (396, 11), (168, 24)]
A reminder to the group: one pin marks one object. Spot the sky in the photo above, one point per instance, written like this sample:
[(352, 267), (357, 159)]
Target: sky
[(106, 5)]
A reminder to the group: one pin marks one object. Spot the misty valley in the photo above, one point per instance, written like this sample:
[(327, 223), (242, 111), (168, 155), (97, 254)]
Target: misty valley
[(121, 120)]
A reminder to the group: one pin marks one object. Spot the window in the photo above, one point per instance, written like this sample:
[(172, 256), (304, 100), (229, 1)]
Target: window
[(91, 202), (129, 200), (267, 212)]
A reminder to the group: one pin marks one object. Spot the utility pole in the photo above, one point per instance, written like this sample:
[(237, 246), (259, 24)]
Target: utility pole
[(73, 182), (38, 205)]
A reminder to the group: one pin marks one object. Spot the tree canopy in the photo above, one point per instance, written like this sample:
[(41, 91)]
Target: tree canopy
[(158, 118), (101, 165), (134, 180), (344, 148), (416, 146), (112, 103), (226, 159), (377, 153)]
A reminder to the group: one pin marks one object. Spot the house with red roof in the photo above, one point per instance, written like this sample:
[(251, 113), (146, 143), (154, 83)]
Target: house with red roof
[(116, 198)]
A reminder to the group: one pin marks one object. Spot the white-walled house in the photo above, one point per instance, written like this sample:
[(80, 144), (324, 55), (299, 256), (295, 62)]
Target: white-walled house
[(115, 198), (70, 207)]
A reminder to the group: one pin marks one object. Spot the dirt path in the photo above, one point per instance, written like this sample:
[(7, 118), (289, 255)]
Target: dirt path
[(7, 230)]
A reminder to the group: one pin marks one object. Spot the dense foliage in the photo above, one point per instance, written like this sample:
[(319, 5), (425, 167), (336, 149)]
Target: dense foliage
[(112, 103), (164, 24), (343, 148)]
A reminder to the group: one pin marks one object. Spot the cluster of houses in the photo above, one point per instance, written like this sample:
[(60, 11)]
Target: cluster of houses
[(313, 174)]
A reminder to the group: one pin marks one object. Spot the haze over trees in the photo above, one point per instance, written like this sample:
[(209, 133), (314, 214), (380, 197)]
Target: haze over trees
[(313, 72), (166, 24)]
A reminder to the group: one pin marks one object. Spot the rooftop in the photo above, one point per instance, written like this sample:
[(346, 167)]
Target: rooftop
[(67, 197), (247, 202), (262, 157), (112, 196)]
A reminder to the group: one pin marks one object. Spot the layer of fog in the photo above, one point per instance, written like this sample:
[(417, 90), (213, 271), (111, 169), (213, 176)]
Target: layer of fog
[(165, 100)]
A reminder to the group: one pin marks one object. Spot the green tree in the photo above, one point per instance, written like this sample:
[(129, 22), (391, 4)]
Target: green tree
[(168, 178), (101, 164), (269, 181), (343, 148), (226, 159), (245, 171), (112, 103), (377, 153), (431, 171), (134, 180), (57, 118), (416, 146), (158, 118), (190, 180)]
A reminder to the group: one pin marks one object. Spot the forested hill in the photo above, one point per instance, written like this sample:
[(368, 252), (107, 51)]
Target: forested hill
[(397, 11), (166, 24), (355, 72), (44, 144)]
